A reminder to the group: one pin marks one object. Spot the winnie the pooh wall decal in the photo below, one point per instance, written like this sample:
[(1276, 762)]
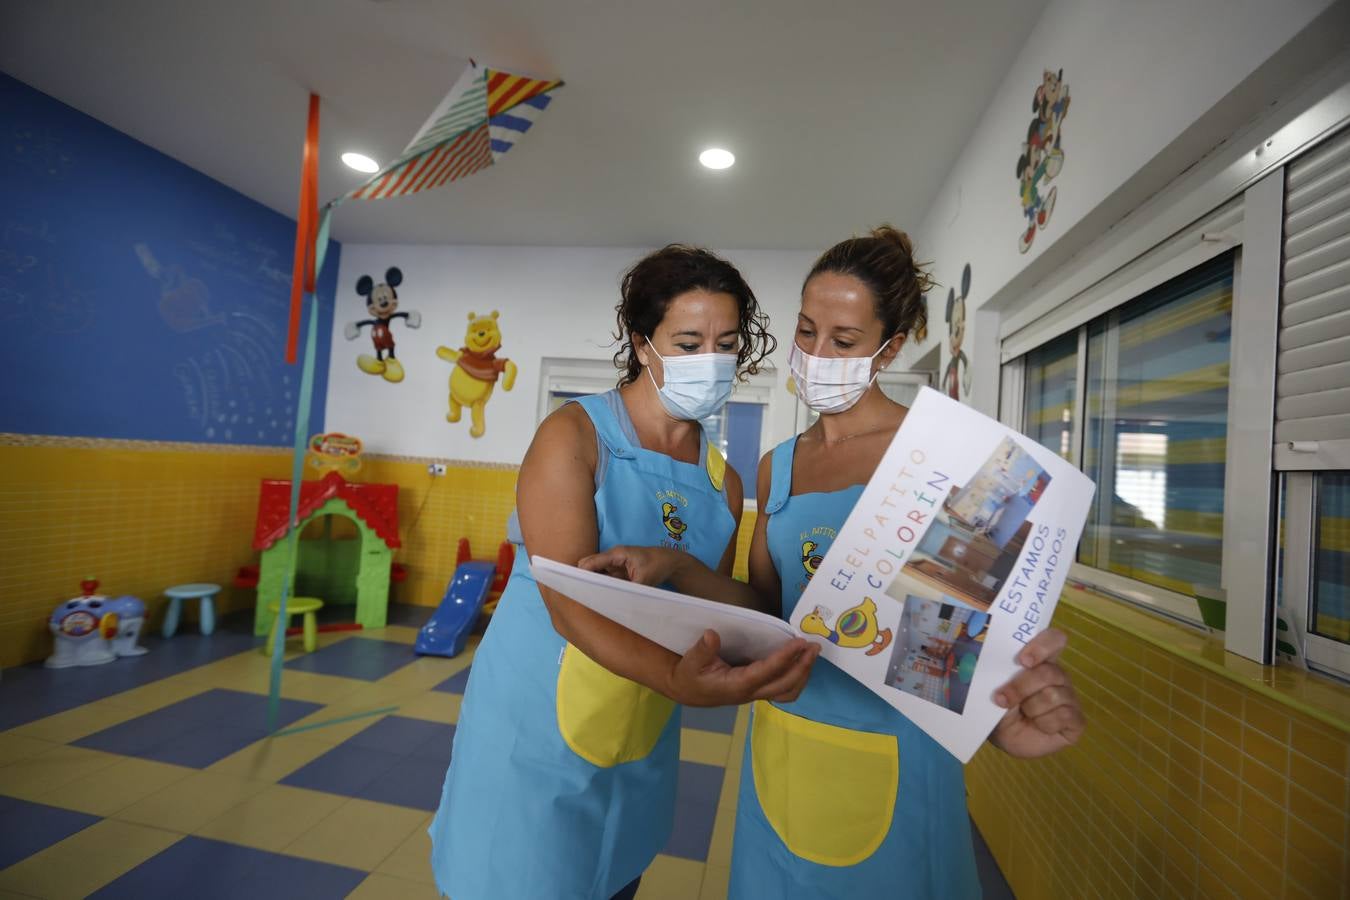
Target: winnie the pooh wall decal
[(1042, 157), (476, 370)]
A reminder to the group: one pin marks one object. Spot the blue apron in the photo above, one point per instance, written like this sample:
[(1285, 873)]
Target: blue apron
[(562, 777), (840, 795)]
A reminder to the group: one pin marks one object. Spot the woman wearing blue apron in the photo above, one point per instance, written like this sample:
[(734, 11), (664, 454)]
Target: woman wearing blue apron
[(562, 776), (840, 795)]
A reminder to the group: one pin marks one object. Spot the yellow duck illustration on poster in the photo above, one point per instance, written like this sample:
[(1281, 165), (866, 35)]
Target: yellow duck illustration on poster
[(855, 628), (476, 371)]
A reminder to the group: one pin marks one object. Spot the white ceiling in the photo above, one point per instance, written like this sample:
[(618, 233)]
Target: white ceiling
[(841, 114)]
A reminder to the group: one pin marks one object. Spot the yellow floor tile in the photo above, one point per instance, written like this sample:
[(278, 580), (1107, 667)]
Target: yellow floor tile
[(361, 834), (716, 881), (30, 778), (387, 887), (425, 672), (306, 686), (80, 722), (399, 634), (272, 818), (86, 861), (271, 759), (192, 802), (14, 747), (411, 859), (671, 878), (116, 787), (705, 747), (434, 706)]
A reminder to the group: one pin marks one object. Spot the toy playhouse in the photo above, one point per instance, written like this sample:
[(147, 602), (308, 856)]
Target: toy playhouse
[(350, 564)]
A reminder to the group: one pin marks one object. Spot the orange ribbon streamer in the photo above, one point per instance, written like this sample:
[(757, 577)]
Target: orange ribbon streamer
[(307, 220)]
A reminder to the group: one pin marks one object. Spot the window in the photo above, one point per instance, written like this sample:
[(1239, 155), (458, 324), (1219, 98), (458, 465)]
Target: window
[(1331, 567), (1138, 397), (1155, 429), (1052, 390), (736, 431)]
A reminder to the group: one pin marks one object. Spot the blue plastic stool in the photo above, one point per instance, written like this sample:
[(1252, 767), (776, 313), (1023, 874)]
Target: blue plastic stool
[(206, 593)]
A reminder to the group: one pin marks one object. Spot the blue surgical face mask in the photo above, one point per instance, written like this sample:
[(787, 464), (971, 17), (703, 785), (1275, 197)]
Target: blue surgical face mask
[(696, 386)]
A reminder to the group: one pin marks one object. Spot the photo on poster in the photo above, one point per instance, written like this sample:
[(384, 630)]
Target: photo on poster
[(936, 648), (974, 542)]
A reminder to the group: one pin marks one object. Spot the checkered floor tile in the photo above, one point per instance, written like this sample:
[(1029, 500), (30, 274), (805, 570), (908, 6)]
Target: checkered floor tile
[(154, 777)]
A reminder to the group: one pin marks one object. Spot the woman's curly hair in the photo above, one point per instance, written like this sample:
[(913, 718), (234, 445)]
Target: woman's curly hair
[(660, 277)]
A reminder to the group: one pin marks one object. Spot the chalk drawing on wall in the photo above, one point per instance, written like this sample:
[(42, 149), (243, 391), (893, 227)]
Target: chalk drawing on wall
[(39, 150), (956, 377), (382, 304), (228, 385), (39, 293), (1042, 155), (476, 371)]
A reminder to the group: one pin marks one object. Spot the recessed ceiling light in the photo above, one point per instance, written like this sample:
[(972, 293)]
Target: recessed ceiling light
[(360, 162), (717, 158)]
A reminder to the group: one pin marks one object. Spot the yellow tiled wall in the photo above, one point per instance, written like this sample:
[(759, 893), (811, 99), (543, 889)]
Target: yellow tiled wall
[(141, 516), (137, 516), (1187, 784)]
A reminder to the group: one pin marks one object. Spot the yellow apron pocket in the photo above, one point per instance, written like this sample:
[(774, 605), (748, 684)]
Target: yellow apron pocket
[(604, 718), (828, 792)]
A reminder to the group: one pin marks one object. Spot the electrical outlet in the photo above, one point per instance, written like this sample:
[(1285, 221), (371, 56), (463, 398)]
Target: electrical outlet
[(436, 469)]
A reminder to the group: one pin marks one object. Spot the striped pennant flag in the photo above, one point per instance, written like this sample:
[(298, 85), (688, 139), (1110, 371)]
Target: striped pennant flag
[(483, 116)]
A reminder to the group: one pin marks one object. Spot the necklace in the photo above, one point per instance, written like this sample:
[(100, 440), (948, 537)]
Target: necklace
[(849, 437)]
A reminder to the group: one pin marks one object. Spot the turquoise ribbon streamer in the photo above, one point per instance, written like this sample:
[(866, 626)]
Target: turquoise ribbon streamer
[(304, 402)]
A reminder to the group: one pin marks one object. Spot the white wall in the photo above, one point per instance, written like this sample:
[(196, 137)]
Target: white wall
[(1140, 74), (554, 302)]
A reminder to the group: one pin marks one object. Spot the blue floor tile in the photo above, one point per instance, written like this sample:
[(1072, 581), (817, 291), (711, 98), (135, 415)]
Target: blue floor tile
[(699, 783), (344, 770), (455, 684), (721, 719), (397, 760), (206, 870), (32, 692), (364, 658), (413, 782), (26, 828), (407, 737), (691, 835), (700, 787), (197, 731)]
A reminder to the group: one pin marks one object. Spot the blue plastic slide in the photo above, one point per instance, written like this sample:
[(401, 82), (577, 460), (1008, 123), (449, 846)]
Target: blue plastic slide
[(452, 622)]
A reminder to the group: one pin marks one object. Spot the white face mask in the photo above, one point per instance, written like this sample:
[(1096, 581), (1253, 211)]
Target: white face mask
[(831, 384), (695, 386)]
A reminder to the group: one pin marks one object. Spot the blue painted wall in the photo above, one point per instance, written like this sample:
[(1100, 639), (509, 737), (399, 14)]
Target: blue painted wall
[(139, 298)]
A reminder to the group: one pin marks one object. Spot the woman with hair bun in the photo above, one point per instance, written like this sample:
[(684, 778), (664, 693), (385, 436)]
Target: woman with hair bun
[(562, 777), (841, 796)]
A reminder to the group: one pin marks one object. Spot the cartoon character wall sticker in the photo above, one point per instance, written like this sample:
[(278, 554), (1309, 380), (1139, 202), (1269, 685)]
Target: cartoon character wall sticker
[(956, 378), (476, 370), (1042, 157), (382, 304)]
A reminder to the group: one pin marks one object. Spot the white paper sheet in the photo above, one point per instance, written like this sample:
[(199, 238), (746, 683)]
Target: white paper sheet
[(675, 621)]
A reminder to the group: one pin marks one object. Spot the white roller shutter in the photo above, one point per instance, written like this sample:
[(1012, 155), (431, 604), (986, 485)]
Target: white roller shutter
[(1312, 387)]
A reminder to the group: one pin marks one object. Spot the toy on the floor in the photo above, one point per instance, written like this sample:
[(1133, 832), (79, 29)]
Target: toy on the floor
[(81, 628), (130, 612), (342, 571), (205, 595), (297, 606), (466, 597)]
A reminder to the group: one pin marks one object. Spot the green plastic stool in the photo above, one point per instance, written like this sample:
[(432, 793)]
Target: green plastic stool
[(295, 606)]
